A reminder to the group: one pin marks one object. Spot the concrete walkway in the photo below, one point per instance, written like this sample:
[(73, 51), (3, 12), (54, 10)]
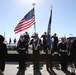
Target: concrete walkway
[(11, 68)]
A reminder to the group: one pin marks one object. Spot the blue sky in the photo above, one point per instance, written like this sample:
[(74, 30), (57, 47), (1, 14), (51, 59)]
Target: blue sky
[(63, 16)]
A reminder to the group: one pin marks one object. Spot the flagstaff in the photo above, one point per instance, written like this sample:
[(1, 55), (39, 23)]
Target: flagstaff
[(34, 18), (4, 34)]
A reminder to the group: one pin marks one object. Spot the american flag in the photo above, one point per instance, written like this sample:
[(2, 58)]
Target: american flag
[(26, 22)]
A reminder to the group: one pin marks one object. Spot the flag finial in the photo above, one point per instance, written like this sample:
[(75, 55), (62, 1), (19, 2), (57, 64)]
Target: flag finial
[(34, 18), (33, 4)]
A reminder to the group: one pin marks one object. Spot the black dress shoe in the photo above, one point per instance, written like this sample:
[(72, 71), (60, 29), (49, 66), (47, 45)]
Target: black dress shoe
[(64, 69), (47, 68), (51, 69)]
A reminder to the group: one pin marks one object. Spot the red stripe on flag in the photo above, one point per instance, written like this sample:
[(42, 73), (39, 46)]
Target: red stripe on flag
[(23, 26)]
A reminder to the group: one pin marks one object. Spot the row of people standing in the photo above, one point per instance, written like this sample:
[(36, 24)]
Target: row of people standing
[(36, 41), (61, 48), (22, 47), (46, 41), (56, 47)]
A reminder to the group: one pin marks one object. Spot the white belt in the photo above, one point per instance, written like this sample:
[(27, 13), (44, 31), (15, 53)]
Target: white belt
[(63, 50), (22, 48)]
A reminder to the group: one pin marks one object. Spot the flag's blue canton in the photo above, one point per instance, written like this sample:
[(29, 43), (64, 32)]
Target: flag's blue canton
[(29, 15)]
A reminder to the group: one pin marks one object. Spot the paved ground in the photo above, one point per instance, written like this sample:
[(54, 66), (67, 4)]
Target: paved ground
[(11, 68)]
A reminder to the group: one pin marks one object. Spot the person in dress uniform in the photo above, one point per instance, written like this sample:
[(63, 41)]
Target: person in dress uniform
[(22, 44), (27, 37), (44, 41), (73, 51), (63, 50), (55, 43), (36, 47), (3, 53), (48, 52)]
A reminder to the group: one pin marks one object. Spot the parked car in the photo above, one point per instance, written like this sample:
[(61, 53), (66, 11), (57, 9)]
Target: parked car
[(11, 46)]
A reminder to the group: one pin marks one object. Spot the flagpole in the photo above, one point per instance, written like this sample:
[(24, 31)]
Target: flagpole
[(4, 37), (4, 34), (34, 18)]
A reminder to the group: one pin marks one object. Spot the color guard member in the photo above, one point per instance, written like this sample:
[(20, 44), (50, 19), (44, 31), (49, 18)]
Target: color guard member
[(36, 46), (22, 44), (63, 50)]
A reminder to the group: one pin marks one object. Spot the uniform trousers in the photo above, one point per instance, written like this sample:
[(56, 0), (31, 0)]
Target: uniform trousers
[(74, 60), (2, 65), (54, 48), (48, 61), (36, 59), (21, 59), (64, 60)]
